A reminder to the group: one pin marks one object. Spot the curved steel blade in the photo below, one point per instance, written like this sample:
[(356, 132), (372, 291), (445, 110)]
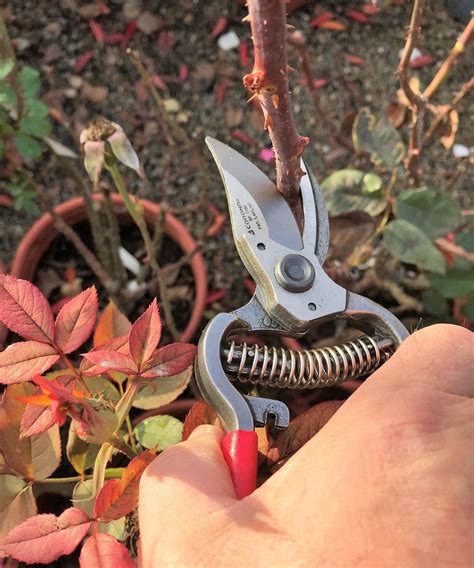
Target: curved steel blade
[(316, 218), (255, 205)]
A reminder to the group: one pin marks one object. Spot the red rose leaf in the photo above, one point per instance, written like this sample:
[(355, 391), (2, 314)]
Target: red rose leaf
[(25, 310), (103, 551), (118, 497), (145, 334), (76, 320), (44, 538), (170, 360), (22, 361)]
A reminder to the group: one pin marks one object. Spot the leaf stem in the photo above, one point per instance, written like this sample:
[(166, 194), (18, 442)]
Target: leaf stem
[(125, 403), (105, 453), (128, 423), (75, 372), (110, 473), (100, 467), (139, 220)]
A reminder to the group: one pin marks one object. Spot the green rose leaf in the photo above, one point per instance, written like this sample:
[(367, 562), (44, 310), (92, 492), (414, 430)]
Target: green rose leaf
[(353, 190), (465, 238), (36, 108), (6, 67), (7, 97), (83, 498), (102, 388), (379, 138), (81, 454), (434, 303), (24, 197), (456, 283), (407, 243), (35, 126), (372, 184), (159, 432), (17, 502), (163, 390), (435, 213), (27, 146), (29, 81)]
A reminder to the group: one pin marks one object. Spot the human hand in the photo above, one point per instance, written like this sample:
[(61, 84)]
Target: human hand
[(386, 482)]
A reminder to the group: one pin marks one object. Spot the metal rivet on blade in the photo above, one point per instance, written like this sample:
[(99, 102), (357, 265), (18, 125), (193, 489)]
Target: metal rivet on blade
[(295, 273)]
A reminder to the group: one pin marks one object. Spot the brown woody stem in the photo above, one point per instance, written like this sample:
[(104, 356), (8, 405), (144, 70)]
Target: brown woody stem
[(417, 104), (140, 222), (453, 55), (92, 214), (66, 229), (269, 81)]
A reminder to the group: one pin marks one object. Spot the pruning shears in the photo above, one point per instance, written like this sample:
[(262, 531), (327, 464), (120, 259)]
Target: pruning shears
[(293, 295)]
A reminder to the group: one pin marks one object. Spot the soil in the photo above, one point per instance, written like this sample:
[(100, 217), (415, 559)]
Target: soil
[(176, 38), (62, 256)]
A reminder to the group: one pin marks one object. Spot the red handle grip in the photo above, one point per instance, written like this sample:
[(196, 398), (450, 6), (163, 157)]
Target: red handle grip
[(240, 449)]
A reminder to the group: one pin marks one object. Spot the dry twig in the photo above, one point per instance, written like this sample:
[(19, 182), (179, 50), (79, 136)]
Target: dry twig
[(71, 235), (417, 104), (458, 97), (453, 55)]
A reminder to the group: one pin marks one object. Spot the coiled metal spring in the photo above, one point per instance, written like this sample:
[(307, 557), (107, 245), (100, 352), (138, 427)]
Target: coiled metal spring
[(308, 368)]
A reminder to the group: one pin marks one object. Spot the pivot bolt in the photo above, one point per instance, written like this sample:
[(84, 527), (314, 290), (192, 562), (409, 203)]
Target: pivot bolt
[(295, 273)]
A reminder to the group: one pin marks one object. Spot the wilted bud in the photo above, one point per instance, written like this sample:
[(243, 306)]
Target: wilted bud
[(102, 132), (297, 39)]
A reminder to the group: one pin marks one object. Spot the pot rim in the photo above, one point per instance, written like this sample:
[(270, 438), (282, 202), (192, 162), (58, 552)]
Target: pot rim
[(39, 237)]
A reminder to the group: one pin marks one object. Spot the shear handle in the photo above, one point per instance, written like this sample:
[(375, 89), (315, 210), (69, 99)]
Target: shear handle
[(240, 445), (368, 315), (240, 451)]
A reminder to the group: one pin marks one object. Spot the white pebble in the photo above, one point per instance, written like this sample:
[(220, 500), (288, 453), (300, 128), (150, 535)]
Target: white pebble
[(461, 151), (228, 41), (414, 54)]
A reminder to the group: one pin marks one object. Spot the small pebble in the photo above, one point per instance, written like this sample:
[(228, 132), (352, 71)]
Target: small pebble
[(75, 81), (131, 9), (414, 54), (228, 41), (171, 105), (148, 23), (70, 93), (461, 151)]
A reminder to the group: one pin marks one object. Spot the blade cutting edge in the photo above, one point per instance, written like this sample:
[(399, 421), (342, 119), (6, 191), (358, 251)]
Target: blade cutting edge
[(246, 185)]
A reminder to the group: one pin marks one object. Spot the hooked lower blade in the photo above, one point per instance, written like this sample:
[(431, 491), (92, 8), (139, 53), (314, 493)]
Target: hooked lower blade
[(251, 196)]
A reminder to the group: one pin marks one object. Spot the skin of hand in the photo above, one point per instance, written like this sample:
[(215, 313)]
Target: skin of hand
[(386, 482)]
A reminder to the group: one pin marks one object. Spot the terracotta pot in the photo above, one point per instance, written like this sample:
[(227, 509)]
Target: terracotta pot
[(38, 239)]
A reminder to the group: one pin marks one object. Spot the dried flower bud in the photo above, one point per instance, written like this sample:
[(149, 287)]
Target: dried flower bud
[(102, 132), (297, 39)]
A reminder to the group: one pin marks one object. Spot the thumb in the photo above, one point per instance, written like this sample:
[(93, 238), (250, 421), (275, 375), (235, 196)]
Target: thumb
[(185, 483)]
